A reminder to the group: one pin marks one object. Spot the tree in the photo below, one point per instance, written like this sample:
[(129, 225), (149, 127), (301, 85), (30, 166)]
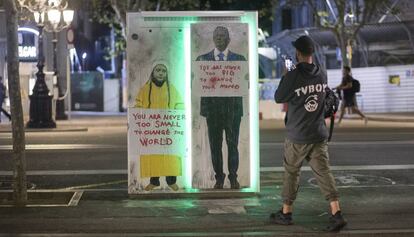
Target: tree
[(113, 12), (19, 155), (346, 21), (265, 9)]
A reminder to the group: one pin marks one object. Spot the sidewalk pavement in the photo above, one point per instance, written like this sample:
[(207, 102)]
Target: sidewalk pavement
[(407, 117), (79, 121), (113, 213)]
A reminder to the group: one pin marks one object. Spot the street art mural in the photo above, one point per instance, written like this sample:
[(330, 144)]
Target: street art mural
[(156, 116), (189, 113), (220, 105)]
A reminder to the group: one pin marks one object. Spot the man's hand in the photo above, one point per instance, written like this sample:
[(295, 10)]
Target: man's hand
[(284, 70)]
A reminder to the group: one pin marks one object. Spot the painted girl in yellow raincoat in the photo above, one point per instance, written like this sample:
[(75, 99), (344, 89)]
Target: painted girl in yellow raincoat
[(158, 93)]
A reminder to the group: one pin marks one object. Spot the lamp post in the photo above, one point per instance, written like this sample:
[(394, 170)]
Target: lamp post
[(40, 100), (56, 25)]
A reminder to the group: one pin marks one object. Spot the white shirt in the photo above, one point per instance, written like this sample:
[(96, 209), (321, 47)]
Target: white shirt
[(217, 52)]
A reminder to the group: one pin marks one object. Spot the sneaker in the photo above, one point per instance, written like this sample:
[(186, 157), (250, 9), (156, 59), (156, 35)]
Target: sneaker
[(234, 184), (281, 219), (150, 187), (336, 222), (218, 185), (174, 187)]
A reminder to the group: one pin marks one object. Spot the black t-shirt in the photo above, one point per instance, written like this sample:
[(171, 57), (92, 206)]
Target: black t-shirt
[(349, 93)]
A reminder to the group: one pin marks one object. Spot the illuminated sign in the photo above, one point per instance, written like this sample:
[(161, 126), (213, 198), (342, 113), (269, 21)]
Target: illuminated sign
[(27, 52), (27, 39)]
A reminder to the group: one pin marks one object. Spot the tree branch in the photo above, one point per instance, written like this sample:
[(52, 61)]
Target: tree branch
[(367, 13), (318, 18), (120, 13)]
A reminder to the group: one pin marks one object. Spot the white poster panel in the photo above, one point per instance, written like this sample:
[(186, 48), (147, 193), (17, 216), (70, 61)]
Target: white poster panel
[(220, 111), (157, 150), (216, 78), (156, 131)]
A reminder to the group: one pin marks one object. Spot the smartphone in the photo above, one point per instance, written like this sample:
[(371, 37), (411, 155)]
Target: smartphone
[(289, 64)]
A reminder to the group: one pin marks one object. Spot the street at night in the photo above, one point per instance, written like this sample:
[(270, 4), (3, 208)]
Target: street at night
[(372, 166), (206, 118)]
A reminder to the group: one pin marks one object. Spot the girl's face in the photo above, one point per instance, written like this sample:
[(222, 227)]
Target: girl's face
[(160, 72)]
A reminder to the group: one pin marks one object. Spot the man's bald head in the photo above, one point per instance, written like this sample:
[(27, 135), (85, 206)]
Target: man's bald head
[(221, 38)]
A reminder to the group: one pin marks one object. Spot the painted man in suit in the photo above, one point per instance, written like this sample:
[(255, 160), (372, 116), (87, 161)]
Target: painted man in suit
[(223, 114)]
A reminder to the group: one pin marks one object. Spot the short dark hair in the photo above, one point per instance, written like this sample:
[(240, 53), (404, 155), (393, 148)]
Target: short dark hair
[(347, 68)]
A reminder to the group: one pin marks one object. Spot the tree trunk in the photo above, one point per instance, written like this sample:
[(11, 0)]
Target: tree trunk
[(19, 156), (341, 40)]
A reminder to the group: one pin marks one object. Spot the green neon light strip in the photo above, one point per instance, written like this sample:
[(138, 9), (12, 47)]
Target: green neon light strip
[(251, 19), (188, 109)]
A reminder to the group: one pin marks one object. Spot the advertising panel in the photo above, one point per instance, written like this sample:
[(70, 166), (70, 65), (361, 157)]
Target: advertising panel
[(87, 91)]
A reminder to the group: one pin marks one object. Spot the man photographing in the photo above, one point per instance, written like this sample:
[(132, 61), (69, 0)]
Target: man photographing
[(303, 89)]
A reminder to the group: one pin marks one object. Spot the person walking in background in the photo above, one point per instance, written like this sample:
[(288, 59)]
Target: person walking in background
[(348, 95), (158, 93), (223, 114), (303, 89), (2, 97)]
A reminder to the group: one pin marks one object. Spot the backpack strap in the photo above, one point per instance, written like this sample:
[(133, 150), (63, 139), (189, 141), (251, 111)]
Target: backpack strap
[(331, 127)]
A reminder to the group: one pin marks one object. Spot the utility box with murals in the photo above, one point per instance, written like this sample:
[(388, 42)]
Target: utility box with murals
[(192, 102)]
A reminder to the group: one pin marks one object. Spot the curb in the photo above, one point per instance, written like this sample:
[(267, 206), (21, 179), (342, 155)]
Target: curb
[(30, 130), (391, 119)]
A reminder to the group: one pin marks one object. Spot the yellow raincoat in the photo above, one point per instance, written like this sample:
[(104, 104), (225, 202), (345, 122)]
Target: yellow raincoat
[(154, 97)]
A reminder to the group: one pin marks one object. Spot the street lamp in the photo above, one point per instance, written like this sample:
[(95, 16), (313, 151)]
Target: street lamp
[(56, 25), (40, 100)]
